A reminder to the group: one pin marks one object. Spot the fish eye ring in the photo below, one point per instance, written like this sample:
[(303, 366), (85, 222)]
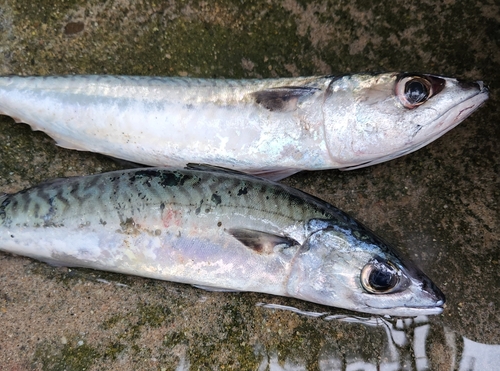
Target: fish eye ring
[(380, 277), (413, 91)]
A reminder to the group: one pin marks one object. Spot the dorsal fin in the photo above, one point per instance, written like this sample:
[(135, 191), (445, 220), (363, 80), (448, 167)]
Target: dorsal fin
[(213, 168), (270, 174), (261, 242), (282, 99)]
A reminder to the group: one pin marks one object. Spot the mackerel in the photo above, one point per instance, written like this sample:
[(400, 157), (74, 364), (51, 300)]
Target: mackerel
[(270, 127), (216, 229)]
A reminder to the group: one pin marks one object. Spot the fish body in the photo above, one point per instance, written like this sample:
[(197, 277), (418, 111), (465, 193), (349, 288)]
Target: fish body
[(215, 229), (270, 127)]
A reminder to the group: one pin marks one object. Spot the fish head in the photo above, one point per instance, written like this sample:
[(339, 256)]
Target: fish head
[(375, 118), (356, 270)]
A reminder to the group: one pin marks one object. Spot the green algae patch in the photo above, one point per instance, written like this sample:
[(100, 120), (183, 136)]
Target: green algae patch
[(153, 315), (72, 356), (113, 350), (133, 322)]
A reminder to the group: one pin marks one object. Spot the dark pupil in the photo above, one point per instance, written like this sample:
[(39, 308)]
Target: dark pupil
[(381, 279), (415, 92)]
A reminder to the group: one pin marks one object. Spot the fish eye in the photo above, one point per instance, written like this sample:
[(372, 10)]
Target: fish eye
[(380, 277), (413, 91)]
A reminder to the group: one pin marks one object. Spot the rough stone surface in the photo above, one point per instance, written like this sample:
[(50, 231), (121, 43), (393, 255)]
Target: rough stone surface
[(440, 204)]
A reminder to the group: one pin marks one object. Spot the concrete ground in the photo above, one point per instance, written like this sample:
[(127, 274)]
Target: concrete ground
[(439, 204)]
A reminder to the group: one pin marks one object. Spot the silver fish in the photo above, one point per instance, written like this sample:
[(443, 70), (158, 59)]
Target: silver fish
[(273, 127), (215, 229)]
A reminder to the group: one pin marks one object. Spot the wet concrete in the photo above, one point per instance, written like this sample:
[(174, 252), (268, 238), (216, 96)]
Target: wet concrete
[(440, 204)]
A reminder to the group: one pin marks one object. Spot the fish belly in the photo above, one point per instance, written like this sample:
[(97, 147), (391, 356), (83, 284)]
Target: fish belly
[(201, 260)]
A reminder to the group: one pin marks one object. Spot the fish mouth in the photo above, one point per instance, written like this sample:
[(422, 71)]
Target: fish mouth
[(448, 120), (408, 311)]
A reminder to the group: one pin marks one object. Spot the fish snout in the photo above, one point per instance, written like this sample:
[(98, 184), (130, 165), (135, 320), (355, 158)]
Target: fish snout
[(433, 291), (473, 85)]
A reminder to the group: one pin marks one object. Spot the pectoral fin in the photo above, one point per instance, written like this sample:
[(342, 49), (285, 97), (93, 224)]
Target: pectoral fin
[(283, 99), (261, 242)]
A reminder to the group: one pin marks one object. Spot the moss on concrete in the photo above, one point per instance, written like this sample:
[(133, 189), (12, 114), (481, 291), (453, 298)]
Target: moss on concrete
[(440, 204), (74, 355)]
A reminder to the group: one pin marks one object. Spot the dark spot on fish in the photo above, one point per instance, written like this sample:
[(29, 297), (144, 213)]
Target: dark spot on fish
[(102, 222), (50, 214), (162, 207), (219, 224), (469, 85), (4, 204), (36, 209), (169, 180), (91, 183), (72, 28), (129, 226), (11, 236), (61, 198), (198, 209), (216, 199), (242, 191), (146, 173), (26, 201), (194, 183)]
